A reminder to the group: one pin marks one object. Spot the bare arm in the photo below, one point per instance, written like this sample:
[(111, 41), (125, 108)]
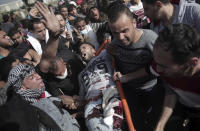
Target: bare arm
[(130, 76), (169, 104), (33, 56), (52, 25)]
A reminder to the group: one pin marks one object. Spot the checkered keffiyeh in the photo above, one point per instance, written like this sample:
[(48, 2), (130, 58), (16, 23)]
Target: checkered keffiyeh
[(16, 77), (18, 73)]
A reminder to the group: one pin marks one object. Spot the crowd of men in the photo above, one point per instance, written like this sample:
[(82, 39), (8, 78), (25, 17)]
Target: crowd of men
[(57, 74)]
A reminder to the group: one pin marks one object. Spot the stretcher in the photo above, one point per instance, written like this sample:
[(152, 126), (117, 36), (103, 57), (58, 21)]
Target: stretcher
[(120, 90)]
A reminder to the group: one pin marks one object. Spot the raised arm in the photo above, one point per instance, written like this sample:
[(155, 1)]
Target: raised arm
[(52, 24), (32, 55)]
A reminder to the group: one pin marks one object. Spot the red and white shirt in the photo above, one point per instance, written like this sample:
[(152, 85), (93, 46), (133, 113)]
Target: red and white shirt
[(187, 88)]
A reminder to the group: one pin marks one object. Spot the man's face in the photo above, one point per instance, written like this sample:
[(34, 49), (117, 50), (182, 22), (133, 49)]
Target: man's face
[(33, 81), (74, 12), (123, 29), (62, 22), (87, 52), (64, 12), (166, 65), (4, 39), (151, 11), (39, 31), (61, 67), (80, 25), (17, 38), (84, 6), (94, 13)]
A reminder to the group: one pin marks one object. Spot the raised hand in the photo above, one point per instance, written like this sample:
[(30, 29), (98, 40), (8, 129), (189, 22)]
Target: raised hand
[(78, 34), (50, 20), (68, 102)]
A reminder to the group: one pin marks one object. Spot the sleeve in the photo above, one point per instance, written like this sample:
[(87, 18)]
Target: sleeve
[(168, 89), (151, 69), (81, 89), (54, 91), (97, 26), (196, 17)]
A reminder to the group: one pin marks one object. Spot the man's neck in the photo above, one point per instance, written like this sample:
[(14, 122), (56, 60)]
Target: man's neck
[(168, 14), (4, 52), (138, 34)]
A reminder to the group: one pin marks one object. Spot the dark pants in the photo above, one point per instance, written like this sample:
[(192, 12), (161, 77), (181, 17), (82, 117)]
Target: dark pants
[(145, 106), (192, 116)]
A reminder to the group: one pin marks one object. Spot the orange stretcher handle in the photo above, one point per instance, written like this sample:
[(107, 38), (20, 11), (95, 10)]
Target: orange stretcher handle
[(125, 106), (121, 92), (124, 102), (102, 46)]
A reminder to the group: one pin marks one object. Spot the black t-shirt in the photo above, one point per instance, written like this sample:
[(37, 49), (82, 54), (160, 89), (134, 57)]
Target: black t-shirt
[(20, 50), (56, 87), (43, 45), (68, 86), (68, 56)]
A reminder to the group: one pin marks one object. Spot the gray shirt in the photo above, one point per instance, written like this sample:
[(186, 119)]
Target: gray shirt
[(136, 56), (187, 12)]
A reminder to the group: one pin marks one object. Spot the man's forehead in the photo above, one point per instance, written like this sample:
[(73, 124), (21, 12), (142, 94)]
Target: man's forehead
[(82, 22), (38, 27), (59, 17), (85, 46), (64, 9)]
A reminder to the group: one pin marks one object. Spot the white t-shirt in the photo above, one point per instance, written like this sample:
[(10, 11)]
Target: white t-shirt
[(96, 76)]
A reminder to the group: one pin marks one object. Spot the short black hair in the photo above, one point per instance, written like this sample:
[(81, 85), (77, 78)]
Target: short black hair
[(58, 13), (71, 7), (116, 10), (6, 66), (6, 17), (152, 2), (93, 7), (25, 23), (79, 51), (32, 22), (54, 64), (64, 5), (181, 40), (78, 19), (13, 31)]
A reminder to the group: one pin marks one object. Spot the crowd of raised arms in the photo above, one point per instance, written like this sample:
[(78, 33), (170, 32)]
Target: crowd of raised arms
[(59, 66)]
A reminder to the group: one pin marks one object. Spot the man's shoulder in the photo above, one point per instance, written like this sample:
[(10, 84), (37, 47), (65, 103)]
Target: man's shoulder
[(149, 36), (150, 32)]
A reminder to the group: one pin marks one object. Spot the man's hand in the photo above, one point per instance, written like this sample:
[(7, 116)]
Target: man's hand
[(78, 35), (50, 20), (68, 35), (169, 104), (68, 101), (159, 127), (34, 13), (120, 77)]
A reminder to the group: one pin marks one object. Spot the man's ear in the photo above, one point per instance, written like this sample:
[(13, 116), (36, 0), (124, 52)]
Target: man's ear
[(22, 87), (134, 22), (193, 61), (159, 3)]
